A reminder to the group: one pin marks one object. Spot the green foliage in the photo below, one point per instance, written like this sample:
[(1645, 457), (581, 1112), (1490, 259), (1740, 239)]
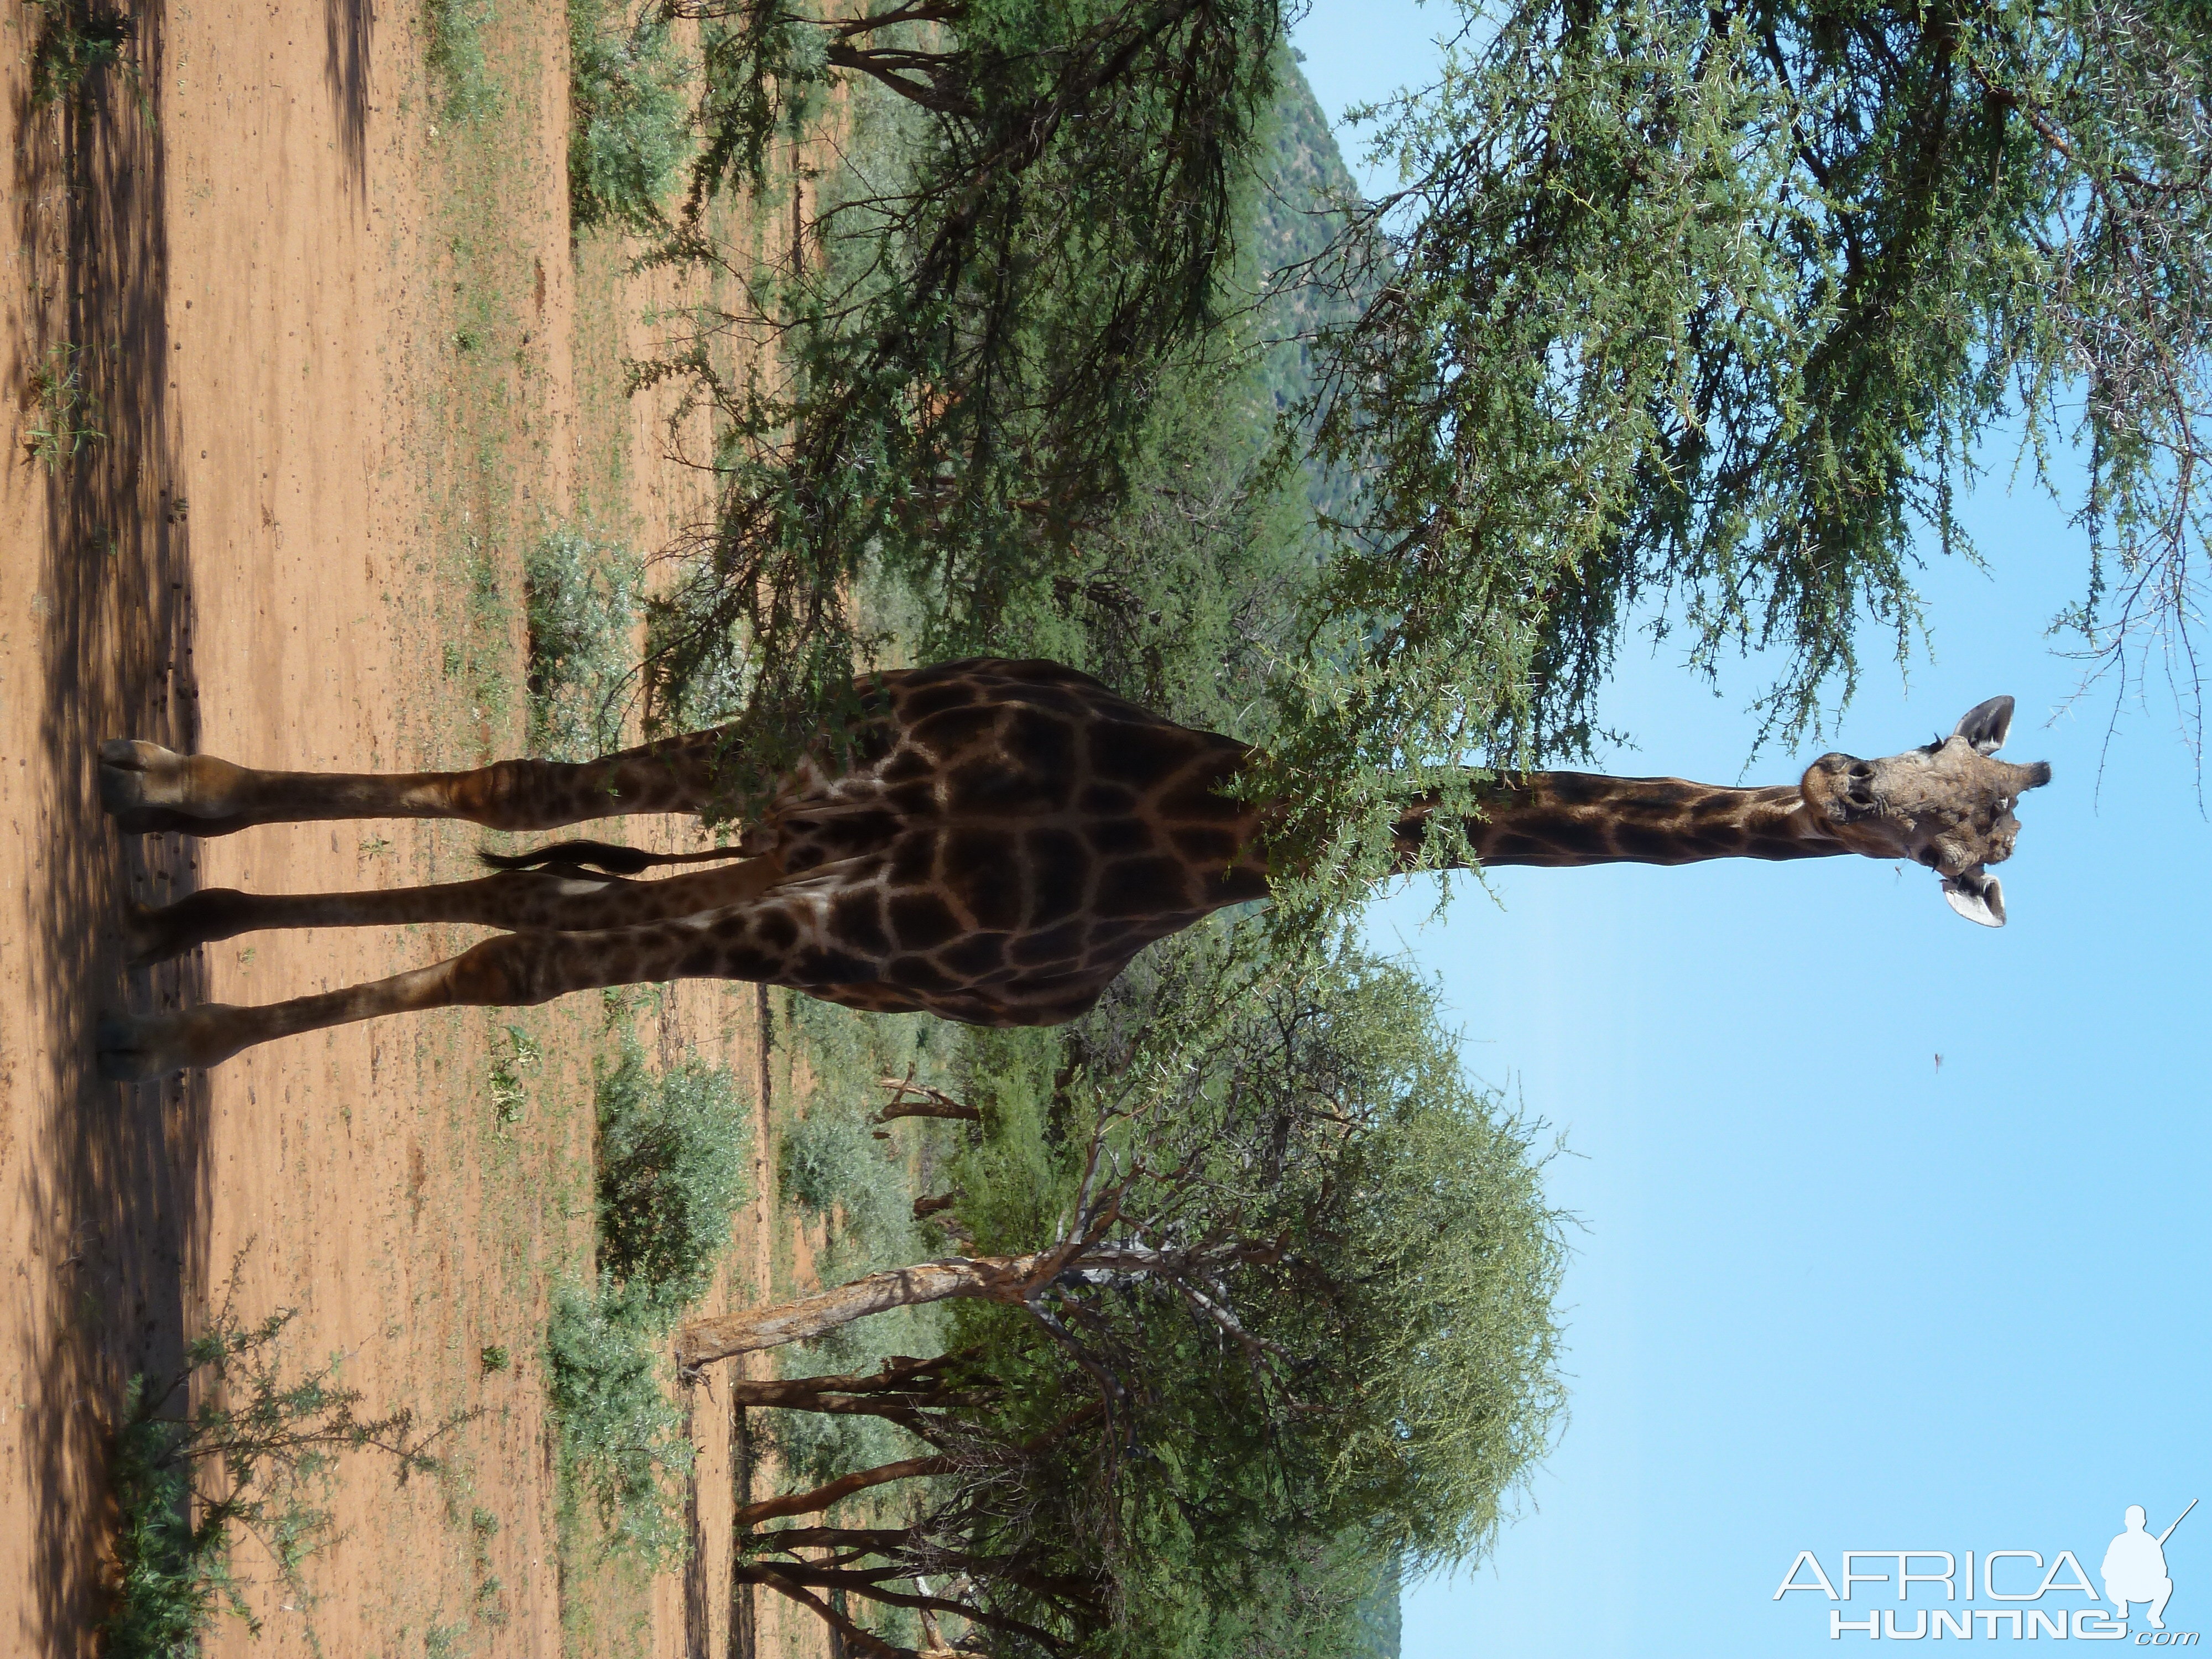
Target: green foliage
[(1012, 1180), (254, 1454), (629, 124), (1182, 596), (830, 1161), (455, 53), (582, 600), (170, 1579), (1401, 1356), (947, 390), (64, 417), (510, 1095), (77, 37), (1701, 315), (1377, 1620), (1298, 209), (673, 1154), (622, 1448), (1304, 1331)]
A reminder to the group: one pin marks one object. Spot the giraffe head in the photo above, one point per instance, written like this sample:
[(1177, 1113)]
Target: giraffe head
[(1947, 804)]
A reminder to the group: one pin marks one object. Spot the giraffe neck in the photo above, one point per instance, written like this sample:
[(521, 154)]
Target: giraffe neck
[(1560, 820)]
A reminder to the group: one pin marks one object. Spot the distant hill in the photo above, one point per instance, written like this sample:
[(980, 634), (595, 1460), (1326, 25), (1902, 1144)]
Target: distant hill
[(1304, 173), (1378, 1621)]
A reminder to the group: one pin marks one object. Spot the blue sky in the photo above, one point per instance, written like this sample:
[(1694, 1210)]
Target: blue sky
[(1830, 1295)]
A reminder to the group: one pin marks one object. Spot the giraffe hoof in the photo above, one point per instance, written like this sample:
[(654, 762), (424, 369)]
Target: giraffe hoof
[(134, 779), (147, 939), (146, 788), (130, 1050), (134, 1047)]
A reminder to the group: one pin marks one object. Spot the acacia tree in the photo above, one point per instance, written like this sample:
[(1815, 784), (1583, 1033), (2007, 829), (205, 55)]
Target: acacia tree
[(948, 373), (1281, 1311), (1704, 311)]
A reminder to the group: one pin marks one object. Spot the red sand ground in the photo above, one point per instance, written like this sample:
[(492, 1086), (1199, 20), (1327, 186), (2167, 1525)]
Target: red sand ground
[(257, 559)]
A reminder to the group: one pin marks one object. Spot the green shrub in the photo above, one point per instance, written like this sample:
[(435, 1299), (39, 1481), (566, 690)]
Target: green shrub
[(64, 415), (629, 124), (580, 604), (170, 1576), (510, 1095), (672, 1157), (832, 1161), (256, 1453), (454, 29), (76, 38), (673, 1151), (621, 1446)]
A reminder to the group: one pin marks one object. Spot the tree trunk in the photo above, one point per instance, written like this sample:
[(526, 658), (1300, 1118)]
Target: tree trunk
[(987, 1279), (839, 1624), (900, 1407), (997, 1279), (926, 1102), (869, 1585), (821, 1498)]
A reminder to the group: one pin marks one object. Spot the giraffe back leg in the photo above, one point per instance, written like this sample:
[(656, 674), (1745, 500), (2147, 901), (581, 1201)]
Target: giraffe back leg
[(516, 901), (777, 938), (147, 788)]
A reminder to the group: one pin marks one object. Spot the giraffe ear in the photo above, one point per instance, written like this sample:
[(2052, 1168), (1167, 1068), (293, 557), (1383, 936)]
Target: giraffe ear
[(1977, 896), (1985, 723)]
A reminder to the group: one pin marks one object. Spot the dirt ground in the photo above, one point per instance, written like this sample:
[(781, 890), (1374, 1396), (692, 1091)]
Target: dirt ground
[(342, 359)]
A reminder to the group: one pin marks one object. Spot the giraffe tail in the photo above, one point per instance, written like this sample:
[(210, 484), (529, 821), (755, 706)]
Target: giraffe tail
[(604, 856)]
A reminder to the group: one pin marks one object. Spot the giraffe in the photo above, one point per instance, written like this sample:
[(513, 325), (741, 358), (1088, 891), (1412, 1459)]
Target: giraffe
[(1006, 836)]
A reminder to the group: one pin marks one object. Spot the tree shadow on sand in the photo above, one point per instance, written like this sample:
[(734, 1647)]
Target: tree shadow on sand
[(118, 1194)]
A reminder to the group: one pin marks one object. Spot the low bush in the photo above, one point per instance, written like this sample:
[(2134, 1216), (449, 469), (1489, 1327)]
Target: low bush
[(581, 598), (673, 1151), (455, 53), (622, 1451), (629, 129), (76, 38), (254, 1455), (832, 1164), (64, 417)]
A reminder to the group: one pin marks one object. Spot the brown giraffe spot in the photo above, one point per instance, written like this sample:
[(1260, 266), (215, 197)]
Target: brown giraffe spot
[(1047, 946), (921, 921), (1114, 837), (1141, 887), (857, 919), (978, 958), (1059, 871), (918, 974), (917, 705), (1124, 752)]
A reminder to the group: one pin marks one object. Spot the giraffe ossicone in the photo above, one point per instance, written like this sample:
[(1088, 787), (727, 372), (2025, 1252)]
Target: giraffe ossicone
[(1006, 836)]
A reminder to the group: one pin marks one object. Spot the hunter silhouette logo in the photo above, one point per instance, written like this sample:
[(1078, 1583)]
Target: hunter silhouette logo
[(1993, 1594), (2134, 1565)]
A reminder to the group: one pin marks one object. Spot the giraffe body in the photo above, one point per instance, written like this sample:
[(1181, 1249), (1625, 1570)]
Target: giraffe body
[(1006, 837)]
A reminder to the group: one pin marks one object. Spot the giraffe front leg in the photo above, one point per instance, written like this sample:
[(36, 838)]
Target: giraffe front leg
[(146, 788), (512, 971), (152, 935)]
